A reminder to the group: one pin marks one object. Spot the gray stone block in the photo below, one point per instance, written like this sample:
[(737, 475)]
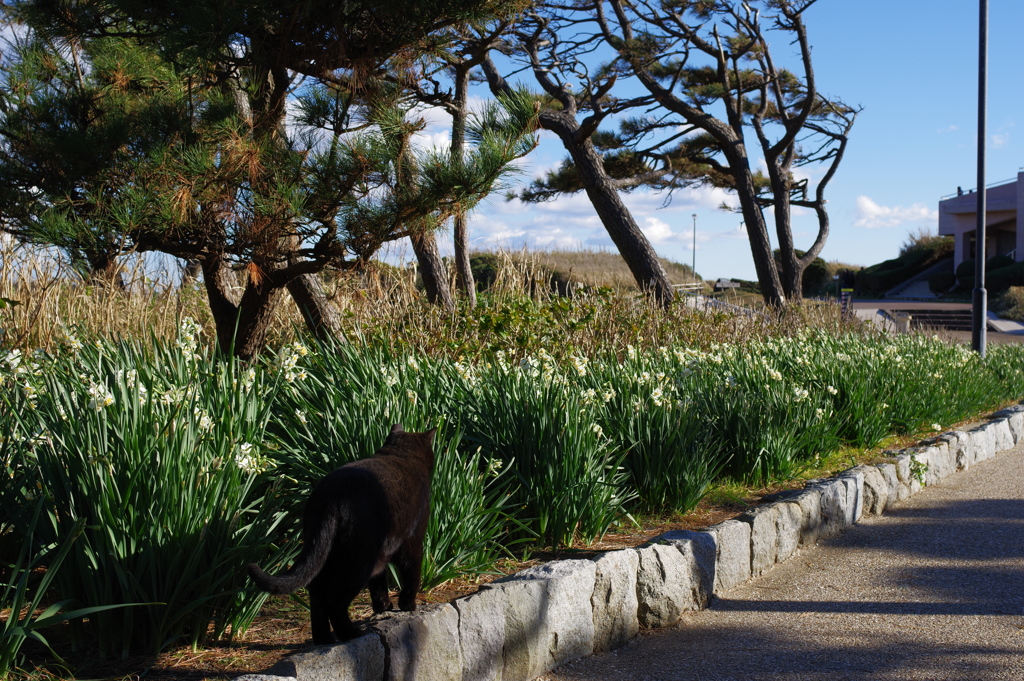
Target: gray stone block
[(661, 587), (764, 537), (962, 442), (907, 465), (361, 659), (1002, 438), (481, 634), (788, 524), (527, 630), (939, 462), (958, 447), (809, 501), (982, 444), (614, 600), (876, 490), (732, 553), (892, 483), (548, 619), (833, 506), (675, 575), (854, 481), (423, 644), (700, 550), (1014, 421)]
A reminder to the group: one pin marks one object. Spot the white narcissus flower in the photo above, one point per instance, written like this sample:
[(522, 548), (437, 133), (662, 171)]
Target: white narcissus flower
[(248, 459), (100, 396)]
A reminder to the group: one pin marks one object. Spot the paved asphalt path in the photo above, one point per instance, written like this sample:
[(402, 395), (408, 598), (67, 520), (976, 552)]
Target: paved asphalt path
[(934, 589)]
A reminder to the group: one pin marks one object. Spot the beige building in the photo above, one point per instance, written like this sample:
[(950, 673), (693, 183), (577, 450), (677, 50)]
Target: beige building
[(1004, 220)]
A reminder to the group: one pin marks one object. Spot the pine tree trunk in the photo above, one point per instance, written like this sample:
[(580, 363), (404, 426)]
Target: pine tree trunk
[(634, 247), (320, 315), (255, 312), (772, 290), (790, 270), (432, 269), (241, 326), (764, 261), (463, 270), (220, 281), (792, 282), (105, 271), (190, 272)]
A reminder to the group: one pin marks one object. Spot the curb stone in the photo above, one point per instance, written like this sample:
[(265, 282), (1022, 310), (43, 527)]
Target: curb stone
[(525, 624), (615, 601)]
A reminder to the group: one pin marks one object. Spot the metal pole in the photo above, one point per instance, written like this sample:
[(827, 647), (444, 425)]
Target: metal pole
[(980, 310), (693, 267)]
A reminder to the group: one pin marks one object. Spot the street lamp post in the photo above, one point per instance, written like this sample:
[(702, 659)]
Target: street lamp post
[(979, 316), (693, 267)]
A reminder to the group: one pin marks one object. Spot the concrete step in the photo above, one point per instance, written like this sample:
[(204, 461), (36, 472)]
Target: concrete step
[(915, 290)]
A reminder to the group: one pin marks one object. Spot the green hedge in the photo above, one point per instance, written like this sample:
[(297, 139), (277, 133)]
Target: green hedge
[(878, 279), (1002, 278), (1001, 272)]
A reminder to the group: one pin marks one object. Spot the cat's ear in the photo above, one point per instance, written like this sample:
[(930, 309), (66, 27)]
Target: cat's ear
[(429, 435), (397, 428)]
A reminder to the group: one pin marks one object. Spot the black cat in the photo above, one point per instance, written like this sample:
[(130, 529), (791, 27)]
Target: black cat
[(359, 518)]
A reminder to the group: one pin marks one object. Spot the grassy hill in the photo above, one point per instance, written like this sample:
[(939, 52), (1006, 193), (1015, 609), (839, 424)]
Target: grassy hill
[(588, 268)]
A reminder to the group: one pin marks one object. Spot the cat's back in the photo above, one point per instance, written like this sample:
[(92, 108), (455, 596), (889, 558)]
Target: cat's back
[(399, 470)]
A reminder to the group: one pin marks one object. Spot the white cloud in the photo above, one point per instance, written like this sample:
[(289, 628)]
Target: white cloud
[(872, 216), (658, 231), (555, 242), (682, 200), (1000, 140), (949, 128)]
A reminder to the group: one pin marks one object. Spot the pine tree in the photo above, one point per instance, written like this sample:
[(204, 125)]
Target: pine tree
[(713, 103), (233, 183)]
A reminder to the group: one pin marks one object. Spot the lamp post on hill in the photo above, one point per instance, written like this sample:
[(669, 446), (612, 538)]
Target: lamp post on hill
[(979, 316), (693, 267)]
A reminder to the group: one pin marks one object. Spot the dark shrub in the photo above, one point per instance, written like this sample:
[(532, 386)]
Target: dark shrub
[(485, 269), (998, 262), (965, 274), (994, 273), (816, 279), (941, 283), (1002, 278), (878, 279)]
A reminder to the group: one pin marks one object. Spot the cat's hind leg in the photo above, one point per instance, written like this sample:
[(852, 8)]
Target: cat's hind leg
[(409, 560), (343, 580), (380, 598), (319, 616), (337, 611)]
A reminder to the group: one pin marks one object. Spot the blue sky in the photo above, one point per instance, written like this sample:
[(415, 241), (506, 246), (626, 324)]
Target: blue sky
[(912, 65)]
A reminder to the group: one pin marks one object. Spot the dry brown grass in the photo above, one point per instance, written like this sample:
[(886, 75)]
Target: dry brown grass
[(594, 267), (51, 301), (521, 312)]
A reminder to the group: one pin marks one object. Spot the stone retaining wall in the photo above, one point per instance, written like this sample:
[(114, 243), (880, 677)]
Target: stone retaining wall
[(525, 624)]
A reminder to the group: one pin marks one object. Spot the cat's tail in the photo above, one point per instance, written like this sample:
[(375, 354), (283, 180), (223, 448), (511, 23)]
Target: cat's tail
[(311, 560)]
